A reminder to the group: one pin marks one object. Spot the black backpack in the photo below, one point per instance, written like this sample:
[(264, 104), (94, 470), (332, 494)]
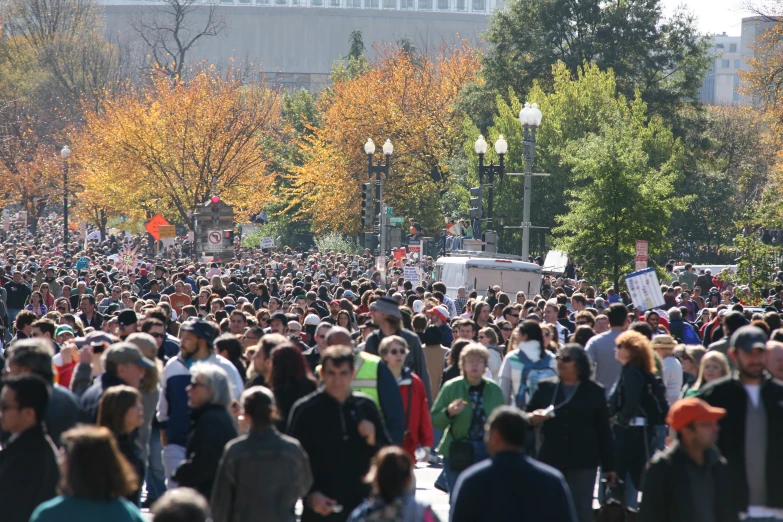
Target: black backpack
[(654, 405)]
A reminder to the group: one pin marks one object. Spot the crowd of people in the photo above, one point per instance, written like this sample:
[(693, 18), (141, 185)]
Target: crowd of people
[(233, 390)]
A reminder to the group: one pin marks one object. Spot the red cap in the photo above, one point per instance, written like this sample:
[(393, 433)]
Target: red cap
[(686, 411)]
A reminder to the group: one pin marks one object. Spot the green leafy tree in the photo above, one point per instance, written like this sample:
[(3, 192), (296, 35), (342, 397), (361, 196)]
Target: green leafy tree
[(623, 190), (664, 58), (572, 108)]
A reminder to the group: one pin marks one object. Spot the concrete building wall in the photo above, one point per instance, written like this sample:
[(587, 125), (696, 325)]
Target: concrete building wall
[(297, 46)]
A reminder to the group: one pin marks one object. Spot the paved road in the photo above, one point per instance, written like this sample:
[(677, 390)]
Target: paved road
[(425, 490)]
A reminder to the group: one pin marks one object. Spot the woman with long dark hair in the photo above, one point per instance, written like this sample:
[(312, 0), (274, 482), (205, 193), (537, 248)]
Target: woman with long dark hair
[(291, 379), (230, 347), (95, 478), (567, 404), (122, 412), (393, 491), (527, 361)]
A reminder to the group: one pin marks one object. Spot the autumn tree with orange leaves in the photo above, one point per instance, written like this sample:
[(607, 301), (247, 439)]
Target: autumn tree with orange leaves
[(409, 99), (158, 148)]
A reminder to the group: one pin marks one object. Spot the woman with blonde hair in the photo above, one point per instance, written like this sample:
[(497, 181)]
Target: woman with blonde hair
[(714, 365), (462, 408), (627, 406)]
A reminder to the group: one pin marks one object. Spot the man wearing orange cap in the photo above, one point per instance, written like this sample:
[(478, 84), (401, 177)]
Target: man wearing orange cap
[(689, 481)]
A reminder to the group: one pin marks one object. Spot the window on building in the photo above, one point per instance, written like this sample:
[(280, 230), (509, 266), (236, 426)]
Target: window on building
[(371, 4), (479, 6), (725, 64), (353, 4), (390, 4), (443, 5), (732, 48), (736, 64), (406, 5), (461, 5), (425, 5), (719, 46), (281, 2), (316, 3)]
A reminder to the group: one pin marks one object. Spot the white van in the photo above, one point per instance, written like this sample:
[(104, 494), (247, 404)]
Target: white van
[(476, 273)]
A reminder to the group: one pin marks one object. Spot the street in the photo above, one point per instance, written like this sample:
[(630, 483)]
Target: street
[(425, 490)]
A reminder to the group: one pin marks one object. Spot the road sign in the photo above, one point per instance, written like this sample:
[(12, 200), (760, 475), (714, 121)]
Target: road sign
[(167, 231), (396, 220), (641, 265), (389, 211), (267, 242), (154, 223), (641, 249), (414, 246), (214, 241)]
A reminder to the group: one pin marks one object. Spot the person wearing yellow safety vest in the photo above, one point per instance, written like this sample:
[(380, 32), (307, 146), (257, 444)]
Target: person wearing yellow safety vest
[(374, 379)]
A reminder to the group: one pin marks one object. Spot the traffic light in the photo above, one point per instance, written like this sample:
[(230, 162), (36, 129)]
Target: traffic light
[(368, 204), (228, 238), (370, 240), (476, 206)]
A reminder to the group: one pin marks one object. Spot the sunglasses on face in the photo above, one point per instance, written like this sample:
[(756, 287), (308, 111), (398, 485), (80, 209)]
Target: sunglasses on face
[(507, 329), (395, 351)]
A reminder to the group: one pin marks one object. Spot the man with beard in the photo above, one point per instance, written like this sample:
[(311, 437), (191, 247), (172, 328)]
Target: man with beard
[(751, 431), (198, 338)]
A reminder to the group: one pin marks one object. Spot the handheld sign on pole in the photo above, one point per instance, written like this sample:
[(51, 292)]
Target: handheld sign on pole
[(267, 242), (411, 273), (645, 290)]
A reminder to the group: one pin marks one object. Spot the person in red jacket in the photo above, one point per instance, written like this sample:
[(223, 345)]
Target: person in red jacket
[(418, 425)]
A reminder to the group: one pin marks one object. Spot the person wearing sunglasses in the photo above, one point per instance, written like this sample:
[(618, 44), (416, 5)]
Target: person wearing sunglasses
[(568, 404), (418, 424)]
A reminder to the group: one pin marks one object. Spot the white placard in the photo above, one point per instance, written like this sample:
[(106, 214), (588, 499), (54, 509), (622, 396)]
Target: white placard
[(645, 290), (267, 242), (411, 273), (214, 242)]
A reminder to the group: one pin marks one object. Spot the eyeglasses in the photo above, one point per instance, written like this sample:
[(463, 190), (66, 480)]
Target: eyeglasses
[(395, 351), (514, 315), (482, 336), (507, 329), (158, 336), (564, 358)]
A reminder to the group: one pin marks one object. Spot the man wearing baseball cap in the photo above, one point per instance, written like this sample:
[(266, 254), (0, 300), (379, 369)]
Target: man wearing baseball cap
[(124, 364), (690, 480), (385, 312), (439, 318), (128, 323), (198, 337), (752, 429)]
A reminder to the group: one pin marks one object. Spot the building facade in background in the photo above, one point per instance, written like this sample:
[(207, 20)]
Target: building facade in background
[(296, 42)]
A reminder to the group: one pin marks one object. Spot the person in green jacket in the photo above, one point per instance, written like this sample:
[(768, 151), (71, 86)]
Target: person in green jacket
[(462, 408), (95, 478)]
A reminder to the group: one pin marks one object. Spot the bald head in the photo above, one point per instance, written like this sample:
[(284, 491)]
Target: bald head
[(337, 336), (775, 359)]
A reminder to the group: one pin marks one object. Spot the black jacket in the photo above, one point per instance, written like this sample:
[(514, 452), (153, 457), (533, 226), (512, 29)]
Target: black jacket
[(210, 430), (132, 452), (97, 319), (339, 456), (667, 491), (28, 474), (729, 393), (92, 397), (578, 436), (512, 486)]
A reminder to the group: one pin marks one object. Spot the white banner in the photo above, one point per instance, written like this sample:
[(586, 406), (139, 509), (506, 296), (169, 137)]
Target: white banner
[(644, 289), (411, 273), (267, 242)]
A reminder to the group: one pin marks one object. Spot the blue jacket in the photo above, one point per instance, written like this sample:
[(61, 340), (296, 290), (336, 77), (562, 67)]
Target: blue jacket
[(92, 397), (511, 486)]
